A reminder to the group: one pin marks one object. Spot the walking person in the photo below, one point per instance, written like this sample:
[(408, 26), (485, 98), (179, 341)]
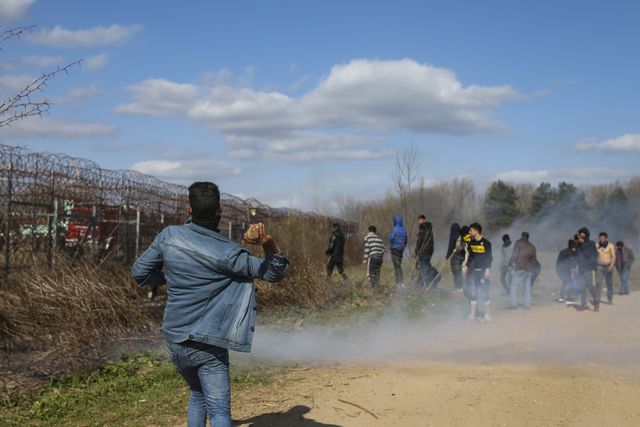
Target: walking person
[(397, 242), (624, 260), (429, 276), (606, 265), (335, 251), (523, 260), (211, 302), (587, 260), (457, 253), (506, 251), (373, 255), (477, 272), (566, 265)]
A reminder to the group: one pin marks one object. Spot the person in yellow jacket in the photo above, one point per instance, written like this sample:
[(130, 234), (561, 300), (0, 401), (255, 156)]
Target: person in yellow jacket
[(606, 265)]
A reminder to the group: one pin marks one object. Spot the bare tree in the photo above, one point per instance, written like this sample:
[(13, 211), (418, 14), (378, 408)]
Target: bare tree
[(404, 177), (22, 105)]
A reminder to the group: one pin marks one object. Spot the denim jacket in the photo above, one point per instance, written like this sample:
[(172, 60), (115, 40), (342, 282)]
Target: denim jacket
[(209, 278)]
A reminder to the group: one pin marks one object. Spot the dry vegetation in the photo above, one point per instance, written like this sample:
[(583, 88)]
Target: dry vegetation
[(67, 318), (56, 321)]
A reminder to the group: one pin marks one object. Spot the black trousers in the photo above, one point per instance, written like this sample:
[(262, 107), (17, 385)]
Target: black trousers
[(374, 264), (396, 258), (456, 270), (335, 261)]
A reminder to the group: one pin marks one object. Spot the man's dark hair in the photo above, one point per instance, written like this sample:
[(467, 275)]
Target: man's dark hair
[(572, 243), (525, 235), (603, 234), (506, 238), (372, 228), (476, 227), (204, 198), (422, 216), (620, 244)]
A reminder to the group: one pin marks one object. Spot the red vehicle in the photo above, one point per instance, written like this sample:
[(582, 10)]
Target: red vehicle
[(90, 224)]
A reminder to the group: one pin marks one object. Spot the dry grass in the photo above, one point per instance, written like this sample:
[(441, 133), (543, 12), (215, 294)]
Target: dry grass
[(62, 319), (304, 240)]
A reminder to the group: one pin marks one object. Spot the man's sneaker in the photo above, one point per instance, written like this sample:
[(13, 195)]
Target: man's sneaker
[(582, 307), (596, 306), (561, 299), (486, 318), (471, 318)]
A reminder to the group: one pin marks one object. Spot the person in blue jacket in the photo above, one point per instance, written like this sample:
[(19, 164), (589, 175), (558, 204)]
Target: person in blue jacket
[(397, 243), (211, 304)]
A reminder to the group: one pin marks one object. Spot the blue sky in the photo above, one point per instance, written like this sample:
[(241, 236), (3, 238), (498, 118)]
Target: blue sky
[(301, 103)]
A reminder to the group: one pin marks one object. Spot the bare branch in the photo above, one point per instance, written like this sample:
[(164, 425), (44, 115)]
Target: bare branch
[(21, 106), (14, 32)]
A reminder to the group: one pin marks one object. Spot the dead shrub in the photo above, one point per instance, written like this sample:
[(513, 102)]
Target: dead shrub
[(64, 318)]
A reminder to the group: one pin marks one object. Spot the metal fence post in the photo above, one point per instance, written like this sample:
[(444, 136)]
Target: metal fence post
[(137, 252), (7, 217), (53, 234)]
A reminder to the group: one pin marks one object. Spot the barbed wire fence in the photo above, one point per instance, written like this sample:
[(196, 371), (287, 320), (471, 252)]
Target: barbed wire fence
[(53, 203)]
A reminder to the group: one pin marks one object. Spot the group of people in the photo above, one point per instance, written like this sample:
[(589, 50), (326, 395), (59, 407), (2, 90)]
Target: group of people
[(584, 266), (374, 248)]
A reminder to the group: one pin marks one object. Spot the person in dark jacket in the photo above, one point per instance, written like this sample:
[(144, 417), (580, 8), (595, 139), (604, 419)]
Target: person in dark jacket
[(566, 266), (624, 260), (523, 260), (587, 260), (477, 271), (397, 242), (457, 253), (429, 276), (335, 251)]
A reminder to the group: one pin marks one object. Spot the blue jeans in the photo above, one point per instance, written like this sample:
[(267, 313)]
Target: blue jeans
[(205, 368), (518, 277), (624, 281), (476, 287)]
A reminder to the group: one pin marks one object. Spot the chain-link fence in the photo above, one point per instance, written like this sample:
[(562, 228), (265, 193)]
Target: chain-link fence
[(53, 203)]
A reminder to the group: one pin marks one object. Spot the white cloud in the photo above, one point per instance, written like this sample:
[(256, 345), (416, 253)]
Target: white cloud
[(356, 97), (11, 84), (243, 154), (96, 62), (323, 154), (13, 10), (36, 127), (33, 61), (158, 97), (59, 36), (587, 175), (78, 94), (186, 170), (629, 142), (401, 94)]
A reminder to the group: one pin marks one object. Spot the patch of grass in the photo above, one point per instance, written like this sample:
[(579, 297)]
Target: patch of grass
[(138, 390)]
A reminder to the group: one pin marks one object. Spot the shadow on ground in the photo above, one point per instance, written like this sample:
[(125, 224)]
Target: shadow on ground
[(294, 417)]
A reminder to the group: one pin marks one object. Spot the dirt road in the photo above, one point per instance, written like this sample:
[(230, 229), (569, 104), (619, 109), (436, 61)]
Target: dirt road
[(549, 366)]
